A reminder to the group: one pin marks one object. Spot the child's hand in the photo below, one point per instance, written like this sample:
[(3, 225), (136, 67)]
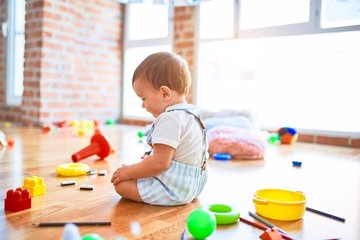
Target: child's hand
[(119, 175)]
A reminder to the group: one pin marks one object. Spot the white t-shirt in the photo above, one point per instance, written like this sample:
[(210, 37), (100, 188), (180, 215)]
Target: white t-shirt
[(182, 131)]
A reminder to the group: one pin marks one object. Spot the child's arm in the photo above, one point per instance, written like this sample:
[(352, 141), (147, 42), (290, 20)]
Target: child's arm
[(149, 167)]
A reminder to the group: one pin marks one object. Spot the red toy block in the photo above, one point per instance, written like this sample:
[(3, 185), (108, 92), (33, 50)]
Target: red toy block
[(271, 234), (17, 200), (98, 145)]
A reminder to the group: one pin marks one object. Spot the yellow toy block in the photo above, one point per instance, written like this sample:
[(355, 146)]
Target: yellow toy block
[(35, 185)]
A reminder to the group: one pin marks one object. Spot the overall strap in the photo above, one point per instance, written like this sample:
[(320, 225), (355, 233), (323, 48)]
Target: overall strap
[(202, 125), (205, 153)]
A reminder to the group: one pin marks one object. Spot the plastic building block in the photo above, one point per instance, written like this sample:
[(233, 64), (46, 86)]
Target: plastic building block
[(271, 234), (17, 200), (35, 185)]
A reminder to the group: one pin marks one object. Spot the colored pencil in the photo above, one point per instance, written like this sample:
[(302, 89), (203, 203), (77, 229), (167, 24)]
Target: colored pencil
[(183, 234), (326, 214), (266, 222), (60, 224), (254, 224)]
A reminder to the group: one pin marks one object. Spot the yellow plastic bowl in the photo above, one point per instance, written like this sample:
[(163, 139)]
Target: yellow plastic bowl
[(280, 204)]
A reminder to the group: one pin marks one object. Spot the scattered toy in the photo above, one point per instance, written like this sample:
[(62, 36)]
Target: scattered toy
[(201, 223), (98, 146), (296, 163), (67, 182), (17, 200), (35, 185), (87, 187)]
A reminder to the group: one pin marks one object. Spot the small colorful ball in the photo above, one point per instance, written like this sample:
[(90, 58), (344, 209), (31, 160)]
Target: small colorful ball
[(140, 134), (201, 223), (110, 122), (287, 135), (274, 138)]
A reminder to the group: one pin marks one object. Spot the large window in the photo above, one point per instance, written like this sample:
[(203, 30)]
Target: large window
[(224, 22), (148, 29), (265, 13), (290, 62), (15, 33), (336, 13)]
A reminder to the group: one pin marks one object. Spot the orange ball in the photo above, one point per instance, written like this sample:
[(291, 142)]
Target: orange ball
[(287, 135)]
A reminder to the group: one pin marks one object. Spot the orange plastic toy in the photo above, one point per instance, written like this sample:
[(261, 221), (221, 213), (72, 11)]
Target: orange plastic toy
[(10, 142), (98, 146), (17, 200), (271, 234)]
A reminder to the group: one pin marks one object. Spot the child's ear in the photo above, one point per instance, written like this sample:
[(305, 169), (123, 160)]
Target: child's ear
[(166, 92)]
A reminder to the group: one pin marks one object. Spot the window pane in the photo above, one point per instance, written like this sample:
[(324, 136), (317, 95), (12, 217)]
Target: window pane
[(133, 57), (147, 21), (19, 48), (339, 13), (15, 52), (267, 13), (18, 74), (217, 19), (20, 16), (307, 82)]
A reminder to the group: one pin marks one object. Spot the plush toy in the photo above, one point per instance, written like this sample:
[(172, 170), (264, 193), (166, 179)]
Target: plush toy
[(237, 142), (233, 132)]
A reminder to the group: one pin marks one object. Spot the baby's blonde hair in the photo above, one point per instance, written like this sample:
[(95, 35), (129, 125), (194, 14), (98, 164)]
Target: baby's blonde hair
[(165, 69)]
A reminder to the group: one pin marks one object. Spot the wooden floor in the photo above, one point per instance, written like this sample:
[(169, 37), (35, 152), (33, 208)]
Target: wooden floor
[(329, 177)]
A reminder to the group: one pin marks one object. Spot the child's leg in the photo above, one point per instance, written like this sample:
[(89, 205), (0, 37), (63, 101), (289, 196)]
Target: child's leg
[(128, 189)]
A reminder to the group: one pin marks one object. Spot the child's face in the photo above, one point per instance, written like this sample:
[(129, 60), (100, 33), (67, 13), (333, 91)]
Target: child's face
[(152, 99)]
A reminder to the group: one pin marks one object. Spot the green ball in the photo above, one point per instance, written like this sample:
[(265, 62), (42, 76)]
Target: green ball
[(140, 134), (274, 138), (201, 223), (92, 236)]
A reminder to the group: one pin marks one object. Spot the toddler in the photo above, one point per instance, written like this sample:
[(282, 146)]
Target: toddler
[(174, 172)]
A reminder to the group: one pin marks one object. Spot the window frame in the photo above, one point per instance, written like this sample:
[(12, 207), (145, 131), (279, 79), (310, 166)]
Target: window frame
[(141, 43)]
